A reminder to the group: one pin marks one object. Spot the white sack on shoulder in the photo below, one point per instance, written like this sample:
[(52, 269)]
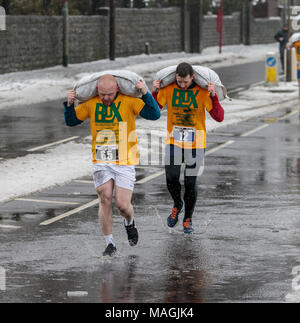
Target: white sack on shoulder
[(203, 76), (85, 88), (294, 38)]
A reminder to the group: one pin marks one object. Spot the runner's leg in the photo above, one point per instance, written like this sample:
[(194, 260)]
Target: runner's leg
[(173, 159), (190, 194), (194, 160), (105, 193), (123, 203), (173, 183)]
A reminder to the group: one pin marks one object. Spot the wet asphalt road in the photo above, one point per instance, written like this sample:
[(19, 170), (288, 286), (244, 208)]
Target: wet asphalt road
[(244, 248)]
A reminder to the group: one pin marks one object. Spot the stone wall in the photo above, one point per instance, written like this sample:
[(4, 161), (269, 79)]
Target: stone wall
[(32, 42), (160, 27), (263, 30), (88, 38), (231, 30)]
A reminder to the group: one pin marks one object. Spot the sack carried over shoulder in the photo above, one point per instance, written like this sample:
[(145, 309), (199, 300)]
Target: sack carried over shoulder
[(294, 38), (86, 89), (202, 76)]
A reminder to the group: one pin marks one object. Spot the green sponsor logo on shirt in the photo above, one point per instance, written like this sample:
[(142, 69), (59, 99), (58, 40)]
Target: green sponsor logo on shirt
[(104, 114), (184, 99)]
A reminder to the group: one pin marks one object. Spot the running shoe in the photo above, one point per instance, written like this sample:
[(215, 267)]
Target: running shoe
[(173, 217), (188, 226), (110, 251), (132, 233)]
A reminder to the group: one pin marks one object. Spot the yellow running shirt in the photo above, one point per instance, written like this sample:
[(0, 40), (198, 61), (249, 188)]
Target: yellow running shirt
[(297, 47), (186, 115), (113, 129)]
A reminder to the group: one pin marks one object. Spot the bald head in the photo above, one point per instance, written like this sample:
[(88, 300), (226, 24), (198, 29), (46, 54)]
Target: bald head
[(107, 89), (107, 81)]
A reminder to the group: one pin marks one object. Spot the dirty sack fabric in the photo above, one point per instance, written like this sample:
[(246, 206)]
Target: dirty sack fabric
[(203, 75), (294, 38), (86, 89)]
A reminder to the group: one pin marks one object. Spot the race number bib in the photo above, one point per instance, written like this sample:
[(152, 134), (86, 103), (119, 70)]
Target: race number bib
[(184, 134), (107, 153)]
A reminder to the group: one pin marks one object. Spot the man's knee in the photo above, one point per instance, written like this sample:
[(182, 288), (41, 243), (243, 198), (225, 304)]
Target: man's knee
[(123, 205), (190, 183), (172, 173), (105, 198)]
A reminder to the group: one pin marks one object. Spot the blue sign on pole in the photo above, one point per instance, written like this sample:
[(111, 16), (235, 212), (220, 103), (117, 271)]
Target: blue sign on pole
[(271, 61)]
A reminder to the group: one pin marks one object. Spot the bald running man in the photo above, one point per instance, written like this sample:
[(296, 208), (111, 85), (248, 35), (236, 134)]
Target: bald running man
[(114, 147)]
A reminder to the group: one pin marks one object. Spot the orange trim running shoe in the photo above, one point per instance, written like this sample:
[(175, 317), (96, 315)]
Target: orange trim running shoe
[(188, 226), (173, 217)]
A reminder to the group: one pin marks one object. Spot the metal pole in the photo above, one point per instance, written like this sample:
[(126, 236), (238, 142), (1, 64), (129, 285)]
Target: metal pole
[(289, 51), (221, 26), (285, 12), (195, 28), (65, 33), (112, 30), (248, 22), (147, 48), (183, 13)]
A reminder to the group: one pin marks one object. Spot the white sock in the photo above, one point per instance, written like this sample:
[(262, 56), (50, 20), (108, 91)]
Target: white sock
[(109, 239), (129, 223)]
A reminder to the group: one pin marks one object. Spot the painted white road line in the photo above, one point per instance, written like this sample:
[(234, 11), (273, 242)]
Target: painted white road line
[(4, 226), (46, 201), (64, 215), (92, 203), (248, 133), (147, 167), (142, 181), (150, 177), (84, 181), (289, 114), (212, 150), (236, 90), (52, 144), (223, 134)]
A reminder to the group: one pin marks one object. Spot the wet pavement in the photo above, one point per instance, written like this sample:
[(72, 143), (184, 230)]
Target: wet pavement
[(242, 75), (244, 248)]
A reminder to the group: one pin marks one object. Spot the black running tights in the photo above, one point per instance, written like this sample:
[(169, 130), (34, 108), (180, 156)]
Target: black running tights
[(174, 187)]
